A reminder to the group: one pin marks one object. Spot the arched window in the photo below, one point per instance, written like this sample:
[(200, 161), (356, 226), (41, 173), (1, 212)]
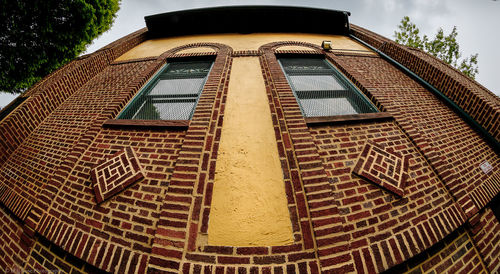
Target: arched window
[(321, 90), (172, 94)]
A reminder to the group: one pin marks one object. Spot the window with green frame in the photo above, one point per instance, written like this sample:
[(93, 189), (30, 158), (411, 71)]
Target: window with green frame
[(322, 90), (172, 94)]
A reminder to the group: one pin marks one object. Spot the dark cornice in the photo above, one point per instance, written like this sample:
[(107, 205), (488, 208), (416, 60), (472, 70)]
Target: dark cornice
[(248, 19)]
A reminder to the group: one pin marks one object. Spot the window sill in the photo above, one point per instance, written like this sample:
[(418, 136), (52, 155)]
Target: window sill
[(150, 124), (349, 118)]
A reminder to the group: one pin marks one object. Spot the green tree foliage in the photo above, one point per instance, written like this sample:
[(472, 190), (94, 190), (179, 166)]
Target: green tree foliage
[(39, 36), (444, 47)]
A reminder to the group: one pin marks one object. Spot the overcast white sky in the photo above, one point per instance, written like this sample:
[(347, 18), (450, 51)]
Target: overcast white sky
[(478, 23)]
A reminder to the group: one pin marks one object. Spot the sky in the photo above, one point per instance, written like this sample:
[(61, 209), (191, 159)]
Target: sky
[(477, 22)]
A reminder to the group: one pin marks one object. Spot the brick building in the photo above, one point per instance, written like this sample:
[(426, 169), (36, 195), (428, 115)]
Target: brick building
[(234, 140)]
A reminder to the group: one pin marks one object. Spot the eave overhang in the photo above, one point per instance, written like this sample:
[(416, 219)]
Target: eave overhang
[(248, 19)]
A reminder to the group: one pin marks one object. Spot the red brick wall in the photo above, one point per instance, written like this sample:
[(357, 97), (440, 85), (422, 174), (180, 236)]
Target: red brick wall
[(48, 94), (51, 143), (451, 147), (455, 254), (384, 229), (477, 101), (14, 245), (45, 98), (102, 230), (37, 158), (372, 220), (46, 257), (454, 150), (485, 229), (124, 44)]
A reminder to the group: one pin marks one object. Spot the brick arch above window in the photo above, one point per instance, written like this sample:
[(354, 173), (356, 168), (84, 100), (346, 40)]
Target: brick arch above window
[(220, 49), (197, 50), (276, 45)]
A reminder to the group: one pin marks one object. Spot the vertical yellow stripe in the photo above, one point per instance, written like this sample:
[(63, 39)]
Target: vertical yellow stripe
[(249, 206)]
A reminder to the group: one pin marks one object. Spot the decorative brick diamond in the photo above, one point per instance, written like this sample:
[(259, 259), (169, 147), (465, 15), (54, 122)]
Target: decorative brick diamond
[(384, 168), (115, 174)]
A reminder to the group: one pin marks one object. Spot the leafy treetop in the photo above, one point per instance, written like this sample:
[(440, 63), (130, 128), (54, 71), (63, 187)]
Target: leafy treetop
[(40, 36), (444, 47)]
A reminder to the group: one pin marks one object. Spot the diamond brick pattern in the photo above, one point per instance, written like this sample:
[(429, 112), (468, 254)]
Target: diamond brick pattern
[(383, 168), (115, 174)]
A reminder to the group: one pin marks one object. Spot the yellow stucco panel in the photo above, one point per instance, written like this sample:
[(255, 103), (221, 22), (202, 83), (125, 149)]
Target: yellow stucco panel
[(249, 205), (156, 47)]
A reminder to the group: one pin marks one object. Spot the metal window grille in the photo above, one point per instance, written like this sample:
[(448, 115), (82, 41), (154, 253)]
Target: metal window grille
[(172, 94), (321, 90)]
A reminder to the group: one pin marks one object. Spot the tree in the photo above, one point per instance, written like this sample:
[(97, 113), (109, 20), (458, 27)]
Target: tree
[(40, 36), (444, 47)]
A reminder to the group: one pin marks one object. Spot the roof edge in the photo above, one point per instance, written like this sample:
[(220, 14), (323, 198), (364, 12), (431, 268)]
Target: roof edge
[(248, 19)]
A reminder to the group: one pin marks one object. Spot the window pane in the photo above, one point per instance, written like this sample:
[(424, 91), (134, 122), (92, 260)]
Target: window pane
[(315, 82), (327, 107), (178, 87), (321, 90), (294, 66), (187, 70), (166, 110)]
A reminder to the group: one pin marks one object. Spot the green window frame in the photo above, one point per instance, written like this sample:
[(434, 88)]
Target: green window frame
[(321, 90), (171, 94)]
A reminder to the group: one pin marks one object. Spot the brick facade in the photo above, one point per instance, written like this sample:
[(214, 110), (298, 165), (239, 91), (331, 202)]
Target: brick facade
[(156, 218)]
